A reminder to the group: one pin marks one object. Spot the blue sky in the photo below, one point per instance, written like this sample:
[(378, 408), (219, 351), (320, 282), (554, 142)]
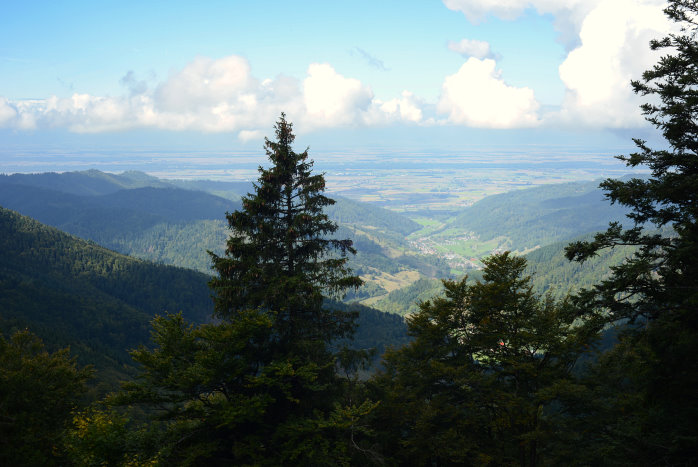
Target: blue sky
[(418, 72)]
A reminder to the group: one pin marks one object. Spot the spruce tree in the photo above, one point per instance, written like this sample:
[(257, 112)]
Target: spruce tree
[(279, 256), (664, 273), (656, 290), (260, 386), (482, 377)]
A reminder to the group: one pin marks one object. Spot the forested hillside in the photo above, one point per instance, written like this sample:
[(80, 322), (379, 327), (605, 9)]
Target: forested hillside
[(524, 219), (176, 222), (71, 292)]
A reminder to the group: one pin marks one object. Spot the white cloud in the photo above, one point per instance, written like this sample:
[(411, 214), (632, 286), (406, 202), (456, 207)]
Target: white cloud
[(7, 112), (476, 96), (251, 135), (205, 82), (607, 47), (331, 99), (597, 74), (471, 48), (216, 96), (607, 42), (407, 108), (568, 14)]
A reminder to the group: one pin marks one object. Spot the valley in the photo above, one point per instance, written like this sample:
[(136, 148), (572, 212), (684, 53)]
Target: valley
[(401, 253)]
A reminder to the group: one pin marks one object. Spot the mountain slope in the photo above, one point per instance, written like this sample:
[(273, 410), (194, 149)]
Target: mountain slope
[(86, 183), (537, 216), (72, 292)]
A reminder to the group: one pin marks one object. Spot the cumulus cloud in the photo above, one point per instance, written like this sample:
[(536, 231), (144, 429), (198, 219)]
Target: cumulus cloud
[(471, 48), (407, 108), (7, 112), (598, 72), (215, 96), (606, 42), (607, 46), (477, 96), (332, 99), (250, 135), (568, 14), (205, 82)]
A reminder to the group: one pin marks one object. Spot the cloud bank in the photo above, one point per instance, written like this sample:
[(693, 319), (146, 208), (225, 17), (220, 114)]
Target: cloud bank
[(476, 96), (215, 96), (606, 47), (223, 96)]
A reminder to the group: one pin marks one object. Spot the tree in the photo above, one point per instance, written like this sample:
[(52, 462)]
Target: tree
[(478, 383), (279, 257), (656, 290), (261, 385), (38, 392)]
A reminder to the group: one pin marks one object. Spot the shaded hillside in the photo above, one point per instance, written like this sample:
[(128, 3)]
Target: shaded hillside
[(537, 216), (178, 225), (551, 270), (83, 216), (348, 212), (406, 300), (168, 225), (175, 205), (72, 292)]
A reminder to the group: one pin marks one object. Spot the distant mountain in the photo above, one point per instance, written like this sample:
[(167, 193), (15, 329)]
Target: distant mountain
[(75, 293), (87, 183), (174, 222), (532, 217), (348, 212)]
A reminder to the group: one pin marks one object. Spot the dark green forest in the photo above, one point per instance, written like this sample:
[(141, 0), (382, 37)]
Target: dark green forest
[(581, 352)]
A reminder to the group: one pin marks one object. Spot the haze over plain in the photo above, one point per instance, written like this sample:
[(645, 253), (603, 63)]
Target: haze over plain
[(465, 76)]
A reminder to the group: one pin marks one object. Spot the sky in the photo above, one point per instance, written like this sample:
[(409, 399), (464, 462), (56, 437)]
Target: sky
[(435, 74)]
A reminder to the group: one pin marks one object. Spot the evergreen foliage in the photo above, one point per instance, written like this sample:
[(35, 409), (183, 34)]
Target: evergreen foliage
[(261, 387), (72, 292), (479, 382), (278, 256), (38, 392), (657, 288)]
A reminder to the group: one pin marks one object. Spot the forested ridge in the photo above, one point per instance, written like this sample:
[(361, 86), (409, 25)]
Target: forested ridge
[(166, 223), (71, 292), (580, 353)]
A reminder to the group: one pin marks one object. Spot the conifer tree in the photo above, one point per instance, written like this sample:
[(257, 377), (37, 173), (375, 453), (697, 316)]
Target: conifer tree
[(38, 392), (279, 256), (477, 384), (656, 290), (261, 385)]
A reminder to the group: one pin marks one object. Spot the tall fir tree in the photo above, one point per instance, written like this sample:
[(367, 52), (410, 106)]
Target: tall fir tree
[(279, 256), (260, 386), (656, 290)]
